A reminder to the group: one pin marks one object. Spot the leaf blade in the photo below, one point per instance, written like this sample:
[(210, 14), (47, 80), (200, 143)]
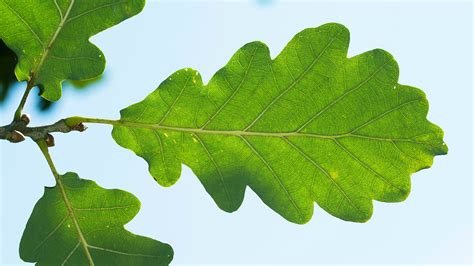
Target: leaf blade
[(309, 126)]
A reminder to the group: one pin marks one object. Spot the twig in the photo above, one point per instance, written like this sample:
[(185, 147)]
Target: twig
[(10, 132)]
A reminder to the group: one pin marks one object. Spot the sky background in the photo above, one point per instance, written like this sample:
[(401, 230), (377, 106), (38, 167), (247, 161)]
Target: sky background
[(432, 43)]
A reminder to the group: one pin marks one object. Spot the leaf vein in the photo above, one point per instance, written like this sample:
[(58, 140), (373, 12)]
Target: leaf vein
[(374, 119), (306, 156), (24, 22), (366, 166), (280, 182), (126, 253), (104, 208), (300, 77), (235, 90), (71, 253), (216, 166), (94, 9), (175, 101), (52, 232), (331, 104)]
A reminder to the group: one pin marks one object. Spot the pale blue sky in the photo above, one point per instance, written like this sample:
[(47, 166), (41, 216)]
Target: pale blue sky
[(432, 43)]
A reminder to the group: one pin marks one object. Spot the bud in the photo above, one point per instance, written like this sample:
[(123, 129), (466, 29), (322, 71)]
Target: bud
[(79, 127), (25, 118), (49, 140), (16, 136)]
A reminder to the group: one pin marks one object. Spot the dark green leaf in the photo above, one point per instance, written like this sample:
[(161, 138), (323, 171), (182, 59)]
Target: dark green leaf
[(8, 80), (309, 126), (51, 38), (85, 221)]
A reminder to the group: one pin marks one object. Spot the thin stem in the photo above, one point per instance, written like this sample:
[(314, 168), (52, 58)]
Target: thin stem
[(19, 110), (44, 149), (98, 120)]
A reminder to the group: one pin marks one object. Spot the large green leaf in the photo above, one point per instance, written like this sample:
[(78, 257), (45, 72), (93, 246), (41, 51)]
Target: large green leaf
[(51, 38), (309, 126), (77, 222)]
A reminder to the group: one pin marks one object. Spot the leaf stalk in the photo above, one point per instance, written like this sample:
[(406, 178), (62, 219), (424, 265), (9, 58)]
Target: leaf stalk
[(20, 107)]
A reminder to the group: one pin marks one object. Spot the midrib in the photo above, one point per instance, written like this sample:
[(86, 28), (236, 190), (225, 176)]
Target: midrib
[(70, 209), (239, 133), (47, 49)]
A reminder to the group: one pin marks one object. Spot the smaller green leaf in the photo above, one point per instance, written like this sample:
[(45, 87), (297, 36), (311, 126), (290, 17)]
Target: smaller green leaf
[(51, 38), (78, 222)]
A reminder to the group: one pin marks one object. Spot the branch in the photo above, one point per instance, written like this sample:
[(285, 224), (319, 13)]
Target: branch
[(18, 130)]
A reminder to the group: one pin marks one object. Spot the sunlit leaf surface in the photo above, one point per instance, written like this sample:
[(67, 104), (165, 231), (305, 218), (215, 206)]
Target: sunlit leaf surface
[(309, 126)]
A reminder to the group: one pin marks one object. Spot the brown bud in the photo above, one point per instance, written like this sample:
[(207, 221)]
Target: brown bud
[(25, 118), (49, 140), (16, 136), (79, 127)]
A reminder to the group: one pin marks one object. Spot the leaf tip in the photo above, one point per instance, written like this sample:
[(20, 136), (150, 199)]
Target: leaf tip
[(336, 27)]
